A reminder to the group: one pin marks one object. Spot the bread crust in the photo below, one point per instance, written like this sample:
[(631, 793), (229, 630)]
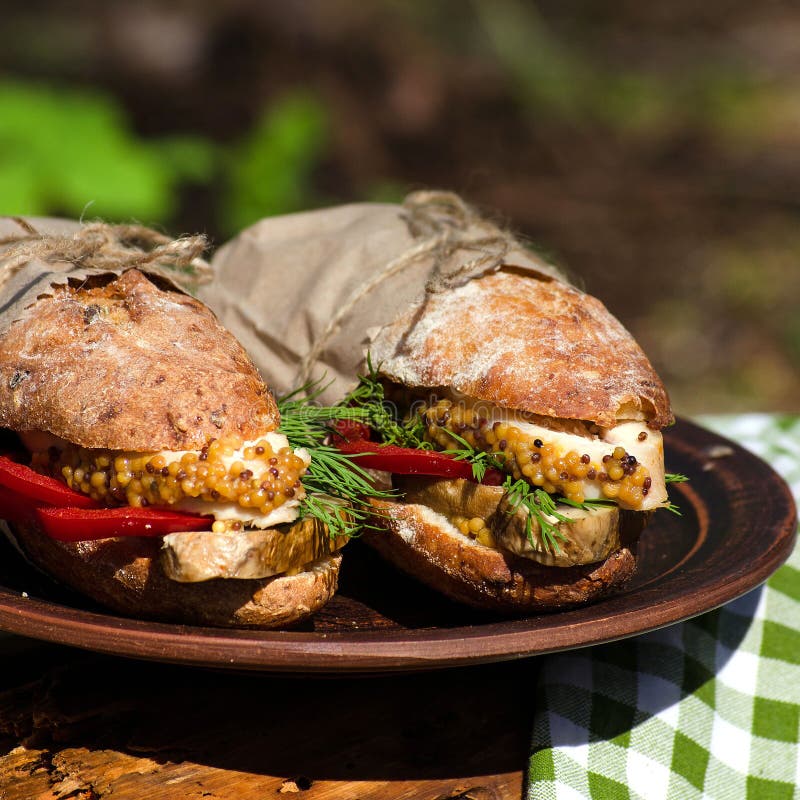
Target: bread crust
[(526, 343), (125, 575), (413, 540), (129, 366)]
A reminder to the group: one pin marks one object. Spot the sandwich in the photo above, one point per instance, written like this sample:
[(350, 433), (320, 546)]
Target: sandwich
[(144, 464), (519, 424)]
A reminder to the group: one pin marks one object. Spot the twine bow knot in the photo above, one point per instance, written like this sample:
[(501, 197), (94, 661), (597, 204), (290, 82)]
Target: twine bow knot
[(108, 247), (444, 225)]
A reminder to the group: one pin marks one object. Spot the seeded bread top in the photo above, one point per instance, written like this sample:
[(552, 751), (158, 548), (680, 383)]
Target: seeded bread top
[(126, 365), (527, 343)]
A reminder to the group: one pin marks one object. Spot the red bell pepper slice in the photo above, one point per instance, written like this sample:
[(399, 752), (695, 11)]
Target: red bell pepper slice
[(40, 488), (350, 430), (16, 508), (84, 524), (408, 461)]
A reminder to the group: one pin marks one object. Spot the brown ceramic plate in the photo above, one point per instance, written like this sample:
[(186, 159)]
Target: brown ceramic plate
[(738, 526)]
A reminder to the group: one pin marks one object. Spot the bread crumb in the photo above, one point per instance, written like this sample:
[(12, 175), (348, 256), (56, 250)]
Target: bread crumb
[(295, 785)]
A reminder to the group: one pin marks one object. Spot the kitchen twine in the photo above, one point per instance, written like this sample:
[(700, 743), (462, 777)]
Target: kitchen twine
[(114, 248), (442, 221)]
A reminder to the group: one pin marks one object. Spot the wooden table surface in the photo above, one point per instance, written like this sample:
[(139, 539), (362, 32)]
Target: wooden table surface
[(83, 726)]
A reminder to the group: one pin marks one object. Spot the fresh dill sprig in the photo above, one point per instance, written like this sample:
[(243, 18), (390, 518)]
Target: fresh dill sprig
[(369, 398), (480, 460), (541, 507), (599, 502), (336, 487), (675, 477)]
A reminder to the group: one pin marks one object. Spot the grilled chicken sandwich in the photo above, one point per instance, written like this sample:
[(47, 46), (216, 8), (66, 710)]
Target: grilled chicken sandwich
[(555, 412), (152, 475)]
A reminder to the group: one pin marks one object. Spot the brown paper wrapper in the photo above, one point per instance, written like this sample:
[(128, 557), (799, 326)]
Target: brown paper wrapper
[(38, 254), (305, 293)]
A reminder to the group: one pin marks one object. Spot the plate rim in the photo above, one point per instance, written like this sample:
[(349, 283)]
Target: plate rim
[(381, 651)]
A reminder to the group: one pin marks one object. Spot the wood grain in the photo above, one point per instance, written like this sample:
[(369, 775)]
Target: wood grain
[(87, 726)]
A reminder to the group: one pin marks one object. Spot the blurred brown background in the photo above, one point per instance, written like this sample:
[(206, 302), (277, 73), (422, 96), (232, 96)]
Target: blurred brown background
[(652, 149)]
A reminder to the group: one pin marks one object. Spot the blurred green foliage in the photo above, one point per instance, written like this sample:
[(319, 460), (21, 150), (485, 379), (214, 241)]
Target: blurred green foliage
[(651, 146), (66, 150), (269, 171), (72, 152), (570, 83), (386, 191)]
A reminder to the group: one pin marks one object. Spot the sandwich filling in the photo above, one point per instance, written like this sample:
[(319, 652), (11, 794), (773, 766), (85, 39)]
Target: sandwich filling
[(572, 458), (484, 515), (578, 460), (254, 483)]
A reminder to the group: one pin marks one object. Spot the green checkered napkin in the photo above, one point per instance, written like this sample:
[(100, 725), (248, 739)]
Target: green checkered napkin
[(709, 708)]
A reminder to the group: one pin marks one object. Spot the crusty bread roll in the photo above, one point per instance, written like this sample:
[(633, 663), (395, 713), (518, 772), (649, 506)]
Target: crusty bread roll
[(531, 344), (534, 356), (123, 364), (425, 545), (125, 574), (127, 365)]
